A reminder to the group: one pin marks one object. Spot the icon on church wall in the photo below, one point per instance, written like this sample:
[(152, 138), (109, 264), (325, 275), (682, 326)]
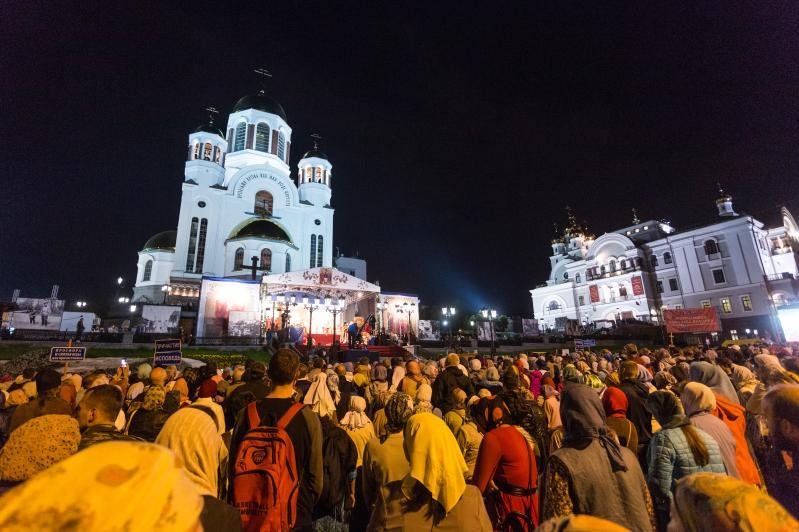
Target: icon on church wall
[(326, 276)]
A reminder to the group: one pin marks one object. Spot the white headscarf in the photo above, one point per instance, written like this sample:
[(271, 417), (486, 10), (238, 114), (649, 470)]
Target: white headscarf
[(319, 398), (396, 378), (356, 418)]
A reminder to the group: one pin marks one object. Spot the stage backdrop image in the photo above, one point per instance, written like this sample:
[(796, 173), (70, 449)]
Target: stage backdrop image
[(69, 321), (219, 298), (160, 319), (428, 330), (244, 323), (42, 314)]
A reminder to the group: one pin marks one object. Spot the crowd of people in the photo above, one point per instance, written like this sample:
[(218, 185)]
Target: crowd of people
[(668, 439)]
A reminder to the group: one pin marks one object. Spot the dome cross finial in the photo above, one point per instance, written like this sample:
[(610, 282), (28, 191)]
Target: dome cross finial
[(636, 221), (316, 139), (263, 76), (212, 111)]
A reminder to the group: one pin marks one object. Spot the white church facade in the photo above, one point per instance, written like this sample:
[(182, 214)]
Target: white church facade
[(736, 264), (241, 207)]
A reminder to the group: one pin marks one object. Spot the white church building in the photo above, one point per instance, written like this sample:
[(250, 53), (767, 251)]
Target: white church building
[(240, 206), (737, 264)]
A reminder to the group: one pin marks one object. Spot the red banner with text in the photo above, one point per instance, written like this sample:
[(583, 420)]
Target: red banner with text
[(638, 285), (692, 320), (593, 292)]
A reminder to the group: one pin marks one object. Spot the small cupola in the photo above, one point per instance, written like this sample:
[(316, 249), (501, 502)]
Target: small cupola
[(724, 204)]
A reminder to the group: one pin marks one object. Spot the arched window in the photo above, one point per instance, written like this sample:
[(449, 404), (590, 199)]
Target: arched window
[(263, 203), (196, 151), (602, 270), (288, 262), (241, 135), (623, 291), (281, 145), (266, 259), (667, 258), (308, 174), (195, 222), (201, 245), (623, 264), (148, 270), (262, 137), (238, 261), (318, 174), (207, 151), (711, 247), (319, 251), (313, 251), (612, 265), (653, 261), (553, 305)]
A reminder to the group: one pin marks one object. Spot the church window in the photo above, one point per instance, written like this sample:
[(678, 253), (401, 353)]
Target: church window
[(207, 151), (711, 247), (196, 151), (553, 305), (318, 174), (288, 262), (602, 270), (263, 203), (667, 258), (241, 134), (238, 259), (201, 245), (313, 251), (577, 278), (319, 251), (623, 264), (262, 137), (148, 270), (623, 291), (309, 174), (653, 261), (281, 145), (217, 154), (613, 265), (266, 259), (192, 244)]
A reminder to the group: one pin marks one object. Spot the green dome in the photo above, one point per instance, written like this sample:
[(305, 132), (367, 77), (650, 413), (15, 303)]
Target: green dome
[(260, 102), (162, 241), (263, 229)]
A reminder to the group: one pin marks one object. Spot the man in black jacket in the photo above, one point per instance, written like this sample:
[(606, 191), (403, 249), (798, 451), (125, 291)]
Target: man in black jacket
[(96, 415), (452, 377)]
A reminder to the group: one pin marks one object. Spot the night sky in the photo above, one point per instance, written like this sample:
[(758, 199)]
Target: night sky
[(457, 134)]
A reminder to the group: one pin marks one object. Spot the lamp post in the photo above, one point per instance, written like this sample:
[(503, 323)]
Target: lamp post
[(449, 313), (491, 314), (382, 306), (334, 307), (80, 304), (164, 289), (408, 309), (310, 306)]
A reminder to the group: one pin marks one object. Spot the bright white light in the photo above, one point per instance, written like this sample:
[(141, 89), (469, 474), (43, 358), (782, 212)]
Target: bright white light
[(119, 280), (445, 323), (493, 313), (444, 310), (133, 308), (164, 288), (471, 323), (789, 319), (452, 310), (484, 312), (327, 301)]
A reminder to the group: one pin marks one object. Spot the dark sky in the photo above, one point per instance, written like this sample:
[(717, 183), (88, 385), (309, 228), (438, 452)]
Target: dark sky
[(457, 134)]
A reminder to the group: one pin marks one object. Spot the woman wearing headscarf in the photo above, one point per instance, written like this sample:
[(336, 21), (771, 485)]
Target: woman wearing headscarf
[(146, 421), (46, 402), (570, 374), (700, 403), (526, 414), (469, 438), (730, 411), (36, 445), (112, 486), (182, 387), (345, 388), (554, 423), (385, 466), (678, 449), (491, 381), (636, 392), (614, 402), (413, 378), (708, 501), (591, 473), (435, 494), (376, 394), (318, 397), (358, 425), (423, 400), (397, 375), (507, 460), (192, 434)]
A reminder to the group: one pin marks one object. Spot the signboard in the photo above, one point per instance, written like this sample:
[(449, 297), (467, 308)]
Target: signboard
[(67, 354), (159, 319), (530, 327), (429, 330), (638, 285), (692, 320), (580, 344), (593, 293), (167, 352), (41, 314)]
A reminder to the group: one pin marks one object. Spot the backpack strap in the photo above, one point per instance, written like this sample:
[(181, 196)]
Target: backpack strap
[(289, 415), (252, 415)]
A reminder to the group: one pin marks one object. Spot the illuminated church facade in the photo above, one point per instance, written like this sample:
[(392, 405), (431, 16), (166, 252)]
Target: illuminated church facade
[(240, 207)]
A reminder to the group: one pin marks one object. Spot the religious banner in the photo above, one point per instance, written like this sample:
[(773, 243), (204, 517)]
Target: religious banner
[(692, 320), (429, 330), (638, 285), (593, 292), (530, 327), (160, 319)]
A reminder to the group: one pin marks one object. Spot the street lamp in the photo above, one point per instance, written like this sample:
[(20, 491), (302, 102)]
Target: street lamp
[(310, 306), (133, 308), (124, 300), (120, 280), (382, 306), (408, 309), (491, 314), (449, 313), (334, 307), (164, 289), (80, 304)]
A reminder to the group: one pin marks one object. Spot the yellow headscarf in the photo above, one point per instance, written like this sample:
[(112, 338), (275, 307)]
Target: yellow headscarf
[(711, 501), (579, 523), (191, 434), (115, 485), (435, 458), (38, 444)]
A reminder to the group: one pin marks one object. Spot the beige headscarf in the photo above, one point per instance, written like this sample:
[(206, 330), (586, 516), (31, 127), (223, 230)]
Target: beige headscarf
[(435, 459), (356, 417), (319, 397), (696, 397), (114, 485), (37, 444), (192, 435)]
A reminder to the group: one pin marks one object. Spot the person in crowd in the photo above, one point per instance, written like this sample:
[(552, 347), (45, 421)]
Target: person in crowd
[(36, 445), (146, 421), (554, 423), (636, 392), (319, 399), (47, 401), (377, 393), (142, 378), (579, 523), (206, 399), (678, 449), (413, 378), (114, 486), (9, 405), (710, 501), (304, 430), (385, 466), (340, 462), (457, 416), (97, 414), (423, 400), (491, 381), (449, 379), (435, 494), (358, 425), (507, 460), (730, 411), (236, 379), (469, 437), (781, 409), (527, 415), (346, 389), (614, 402), (192, 435), (476, 371), (591, 473), (253, 378), (700, 404)]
